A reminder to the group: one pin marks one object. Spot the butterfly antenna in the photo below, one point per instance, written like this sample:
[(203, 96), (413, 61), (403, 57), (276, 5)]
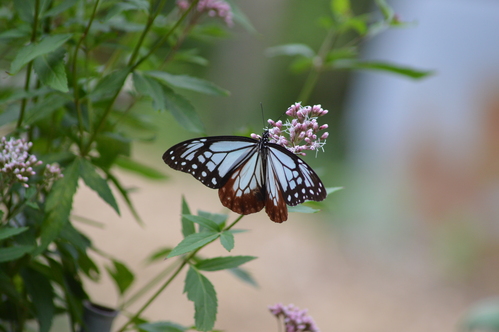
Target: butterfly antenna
[(263, 117)]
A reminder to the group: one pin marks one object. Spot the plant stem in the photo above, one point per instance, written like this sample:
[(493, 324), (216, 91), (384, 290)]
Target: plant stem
[(107, 111), (76, 95), (30, 65), (167, 282), (317, 66)]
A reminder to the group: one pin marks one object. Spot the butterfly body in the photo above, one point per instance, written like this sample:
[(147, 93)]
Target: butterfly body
[(250, 173)]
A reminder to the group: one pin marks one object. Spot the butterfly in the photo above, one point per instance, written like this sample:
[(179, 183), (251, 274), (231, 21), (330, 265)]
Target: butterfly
[(250, 174)]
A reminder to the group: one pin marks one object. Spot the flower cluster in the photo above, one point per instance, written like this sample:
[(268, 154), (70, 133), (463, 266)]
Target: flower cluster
[(302, 129), (16, 164), (295, 320), (213, 8)]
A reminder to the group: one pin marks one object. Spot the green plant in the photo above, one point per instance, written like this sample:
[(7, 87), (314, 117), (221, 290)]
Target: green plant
[(68, 102)]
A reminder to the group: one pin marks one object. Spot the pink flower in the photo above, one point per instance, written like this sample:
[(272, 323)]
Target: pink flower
[(295, 320), (302, 129), (214, 8)]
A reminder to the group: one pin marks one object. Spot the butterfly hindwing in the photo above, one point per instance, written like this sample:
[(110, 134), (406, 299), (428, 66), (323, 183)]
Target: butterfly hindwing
[(244, 190), (297, 180), (210, 159)]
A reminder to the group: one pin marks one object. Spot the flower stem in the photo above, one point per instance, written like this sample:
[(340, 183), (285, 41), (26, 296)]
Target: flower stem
[(30, 65), (131, 68), (76, 95), (175, 273), (318, 65)]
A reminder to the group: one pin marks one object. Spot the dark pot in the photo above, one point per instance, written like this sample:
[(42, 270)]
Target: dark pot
[(97, 318)]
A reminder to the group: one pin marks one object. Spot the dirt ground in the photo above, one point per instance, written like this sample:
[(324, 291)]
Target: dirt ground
[(301, 261)]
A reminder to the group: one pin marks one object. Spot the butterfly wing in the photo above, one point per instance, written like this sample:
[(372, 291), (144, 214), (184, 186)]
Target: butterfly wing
[(244, 191), (289, 181), (210, 159)]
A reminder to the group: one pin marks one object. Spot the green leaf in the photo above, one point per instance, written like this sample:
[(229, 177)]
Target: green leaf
[(222, 263), (302, 209), (6, 232), (341, 8), (110, 146), (290, 50), (45, 107), (124, 194), (188, 227), (189, 83), (218, 218), (483, 316), (386, 10), (11, 253), (205, 222), (192, 242), (31, 51), (383, 66), (241, 18), (25, 10), (50, 69), (121, 275), (183, 112), (110, 84), (227, 240), (200, 291), (61, 7), (40, 291), (148, 86), (58, 205), (331, 190), (340, 54), (243, 275), (138, 168), (95, 182), (159, 254), (162, 327)]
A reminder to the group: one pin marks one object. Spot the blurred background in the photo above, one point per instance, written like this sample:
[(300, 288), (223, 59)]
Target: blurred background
[(410, 243)]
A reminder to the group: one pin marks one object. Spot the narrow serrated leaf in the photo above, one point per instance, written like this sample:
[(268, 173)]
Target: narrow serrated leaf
[(50, 70), (148, 86), (124, 195), (188, 227), (192, 242), (121, 275), (183, 111), (302, 209), (6, 232), (384, 66), (31, 51), (95, 182), (290, 50), (331, 190), (189, 83), (12, 253), (227, 240), (41, 293), (201, 291), (110, 84), (135, 166), (222, 263), (58, 205), (205, 222), (244, 276)]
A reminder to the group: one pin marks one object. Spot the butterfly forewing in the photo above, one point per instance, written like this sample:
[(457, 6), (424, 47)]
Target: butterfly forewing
[(297, 180), (210, 159)]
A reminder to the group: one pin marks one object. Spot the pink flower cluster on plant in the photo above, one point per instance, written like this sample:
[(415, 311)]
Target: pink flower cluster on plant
[(302, 130), (214, 8), (16, 164), (295, 320)]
